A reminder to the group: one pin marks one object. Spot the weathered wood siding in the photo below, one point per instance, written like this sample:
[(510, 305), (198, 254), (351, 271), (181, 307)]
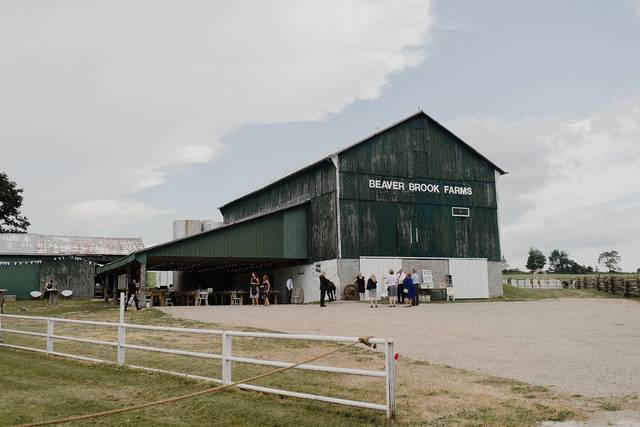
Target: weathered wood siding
[(20, 279), (76, 276), (317, 185), (384, 222), (279, 235)]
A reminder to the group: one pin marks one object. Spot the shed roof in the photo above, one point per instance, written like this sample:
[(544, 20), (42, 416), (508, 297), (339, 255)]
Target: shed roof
[(278, 235), (328, 158), (40, 244)]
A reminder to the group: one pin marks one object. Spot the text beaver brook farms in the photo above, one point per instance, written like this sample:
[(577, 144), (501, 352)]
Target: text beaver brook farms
[(419, 188)]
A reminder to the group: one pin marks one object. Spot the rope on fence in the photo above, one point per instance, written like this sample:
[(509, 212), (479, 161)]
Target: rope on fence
[(361, 340)]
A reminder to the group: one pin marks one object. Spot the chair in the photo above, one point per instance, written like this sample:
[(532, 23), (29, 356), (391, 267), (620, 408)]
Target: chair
[(451, 294), (297, 296), (66, 293), (235, 299), (35, 294), (202, 296)]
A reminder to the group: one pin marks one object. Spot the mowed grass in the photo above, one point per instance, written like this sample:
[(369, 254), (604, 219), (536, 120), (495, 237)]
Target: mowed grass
[(36, 387)]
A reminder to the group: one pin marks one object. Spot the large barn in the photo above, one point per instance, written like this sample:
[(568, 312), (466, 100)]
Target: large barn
[(412, 195)]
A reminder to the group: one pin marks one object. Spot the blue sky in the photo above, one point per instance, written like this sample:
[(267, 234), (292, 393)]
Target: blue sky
[(548, 90)]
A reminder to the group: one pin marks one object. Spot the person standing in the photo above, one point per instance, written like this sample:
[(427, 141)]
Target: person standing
[(392, 288), (132, 292), (407, 289), (360, 285), (324, 286), (47, 287), (401, 277), (372, 290), (265, 289), (254, 289), (289, 289), (415, 278)]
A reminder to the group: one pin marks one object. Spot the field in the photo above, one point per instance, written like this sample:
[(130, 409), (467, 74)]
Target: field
[(522, 276), (37, 387)]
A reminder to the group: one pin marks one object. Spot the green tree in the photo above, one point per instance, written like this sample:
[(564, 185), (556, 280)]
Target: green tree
[(559, 262), (11, 221), (610, 260), (536, 259)]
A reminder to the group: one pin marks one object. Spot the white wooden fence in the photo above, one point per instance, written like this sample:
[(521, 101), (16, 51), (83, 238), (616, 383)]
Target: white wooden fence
[(535, 283), (226, 356)]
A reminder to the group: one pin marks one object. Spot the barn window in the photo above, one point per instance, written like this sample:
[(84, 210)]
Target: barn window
[(461, 212)]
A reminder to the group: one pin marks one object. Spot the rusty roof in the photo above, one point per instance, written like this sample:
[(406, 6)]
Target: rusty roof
[(39, 244)]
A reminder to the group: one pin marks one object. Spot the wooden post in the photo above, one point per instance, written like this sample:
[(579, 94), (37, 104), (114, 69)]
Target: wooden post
[(50, 333), (227, 351), (121, 330), (390, 365)]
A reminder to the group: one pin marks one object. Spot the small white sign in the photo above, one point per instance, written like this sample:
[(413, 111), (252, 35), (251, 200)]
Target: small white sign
[(427, 279)]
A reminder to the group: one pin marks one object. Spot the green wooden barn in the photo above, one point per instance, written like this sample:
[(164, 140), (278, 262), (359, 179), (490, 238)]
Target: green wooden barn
[(412, 195)]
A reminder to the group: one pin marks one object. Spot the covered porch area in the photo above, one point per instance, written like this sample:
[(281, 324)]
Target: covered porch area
[(214, 267)]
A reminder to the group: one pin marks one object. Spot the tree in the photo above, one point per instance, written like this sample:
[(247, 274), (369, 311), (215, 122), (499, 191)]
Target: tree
[(505, 264), (610, 260), (11, 221), (559, 261), (536, 259)]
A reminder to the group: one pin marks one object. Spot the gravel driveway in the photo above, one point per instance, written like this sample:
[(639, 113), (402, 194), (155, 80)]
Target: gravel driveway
[(583, 346)]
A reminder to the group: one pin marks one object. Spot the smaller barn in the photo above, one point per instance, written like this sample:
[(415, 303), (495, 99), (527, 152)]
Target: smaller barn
[(28, 261)]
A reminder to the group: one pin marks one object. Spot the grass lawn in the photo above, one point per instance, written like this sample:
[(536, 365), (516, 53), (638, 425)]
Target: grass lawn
[(511, 293), (37, 387)]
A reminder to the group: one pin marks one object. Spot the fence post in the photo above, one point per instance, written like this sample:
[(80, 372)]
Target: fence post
[(50, 333), (121, 331), (390, 370), (227, 351)]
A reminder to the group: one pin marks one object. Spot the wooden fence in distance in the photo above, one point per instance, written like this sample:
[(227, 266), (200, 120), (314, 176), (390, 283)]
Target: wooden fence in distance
[(613, 285)]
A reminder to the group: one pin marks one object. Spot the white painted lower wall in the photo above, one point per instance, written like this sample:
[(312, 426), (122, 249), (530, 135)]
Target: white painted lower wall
[(307, 278), (470, 276)]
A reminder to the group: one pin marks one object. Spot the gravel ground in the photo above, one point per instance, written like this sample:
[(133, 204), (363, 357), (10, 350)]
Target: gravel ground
[(589, 347)]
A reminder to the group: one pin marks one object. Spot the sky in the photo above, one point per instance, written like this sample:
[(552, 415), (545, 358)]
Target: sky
[(118, 117)]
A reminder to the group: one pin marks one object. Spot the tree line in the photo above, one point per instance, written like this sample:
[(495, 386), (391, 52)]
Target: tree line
[(560, 262)]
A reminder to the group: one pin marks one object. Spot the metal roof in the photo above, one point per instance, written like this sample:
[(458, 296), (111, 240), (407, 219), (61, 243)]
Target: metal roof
[(39, 244), (328, 158), (277, 235)]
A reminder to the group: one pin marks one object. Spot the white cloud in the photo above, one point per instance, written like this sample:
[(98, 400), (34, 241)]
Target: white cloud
[(109, 214), (106, 97), (573, 184)]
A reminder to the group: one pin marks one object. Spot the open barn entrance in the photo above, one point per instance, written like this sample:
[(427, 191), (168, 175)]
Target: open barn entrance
[(217, 261)]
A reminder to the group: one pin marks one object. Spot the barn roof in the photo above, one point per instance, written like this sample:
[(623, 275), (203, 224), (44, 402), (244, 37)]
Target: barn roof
[(39, 244), (328, 158)]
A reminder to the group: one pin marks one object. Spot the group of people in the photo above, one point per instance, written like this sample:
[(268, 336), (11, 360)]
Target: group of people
[(259, 289), (401, 287)]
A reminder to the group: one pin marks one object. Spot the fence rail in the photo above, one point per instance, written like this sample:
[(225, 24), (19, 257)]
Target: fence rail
[(226, 356)]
